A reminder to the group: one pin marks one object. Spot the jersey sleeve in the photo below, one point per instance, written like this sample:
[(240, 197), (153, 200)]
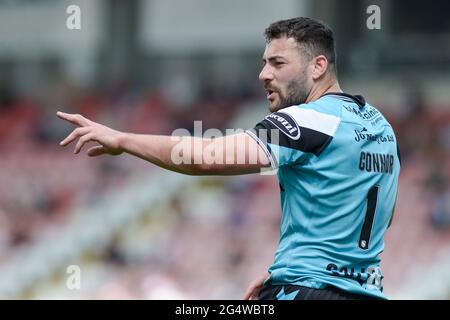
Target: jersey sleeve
[(291, 134)]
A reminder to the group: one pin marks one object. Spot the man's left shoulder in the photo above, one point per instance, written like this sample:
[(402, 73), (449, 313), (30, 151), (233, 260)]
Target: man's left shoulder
[(323, 105), (311, 116)]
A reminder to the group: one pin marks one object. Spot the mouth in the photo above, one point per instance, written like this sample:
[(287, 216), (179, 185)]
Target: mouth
[(270, 94)]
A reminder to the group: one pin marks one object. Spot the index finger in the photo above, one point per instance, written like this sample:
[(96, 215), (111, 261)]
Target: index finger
[(248, 293), (76, 119)]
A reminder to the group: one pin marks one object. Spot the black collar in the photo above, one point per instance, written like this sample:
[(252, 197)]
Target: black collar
[(358, 99)]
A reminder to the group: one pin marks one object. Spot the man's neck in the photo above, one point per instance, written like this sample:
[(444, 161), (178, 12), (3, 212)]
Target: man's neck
[(323, 87)]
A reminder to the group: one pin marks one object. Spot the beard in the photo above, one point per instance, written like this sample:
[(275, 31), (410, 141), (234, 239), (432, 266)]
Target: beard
[(296, 91)]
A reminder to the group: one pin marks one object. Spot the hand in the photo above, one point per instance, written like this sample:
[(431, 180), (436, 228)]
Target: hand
[(107, 138), (255, 286)]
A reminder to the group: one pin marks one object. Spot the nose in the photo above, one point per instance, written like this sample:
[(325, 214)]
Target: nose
[(265, 74)]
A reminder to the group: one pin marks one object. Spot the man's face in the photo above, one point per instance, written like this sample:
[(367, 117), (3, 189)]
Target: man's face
[(285, 74)]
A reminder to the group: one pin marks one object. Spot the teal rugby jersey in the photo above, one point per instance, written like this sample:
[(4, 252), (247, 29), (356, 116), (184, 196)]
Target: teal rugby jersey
[(338, 165)]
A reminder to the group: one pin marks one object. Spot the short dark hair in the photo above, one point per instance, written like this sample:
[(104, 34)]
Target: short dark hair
[(313, 36)]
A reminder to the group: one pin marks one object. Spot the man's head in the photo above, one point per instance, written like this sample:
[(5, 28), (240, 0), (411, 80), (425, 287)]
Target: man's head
[(299, 53)]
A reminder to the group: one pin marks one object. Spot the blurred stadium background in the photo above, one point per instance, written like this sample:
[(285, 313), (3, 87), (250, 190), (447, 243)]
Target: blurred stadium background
[(138, 232)]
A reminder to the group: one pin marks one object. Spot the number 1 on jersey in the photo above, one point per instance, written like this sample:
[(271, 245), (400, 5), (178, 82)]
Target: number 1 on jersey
[(366, 230)]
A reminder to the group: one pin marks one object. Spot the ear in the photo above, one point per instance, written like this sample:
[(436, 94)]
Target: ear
[(320, 66)]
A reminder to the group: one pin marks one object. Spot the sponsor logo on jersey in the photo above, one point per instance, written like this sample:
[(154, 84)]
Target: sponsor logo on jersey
[(285, 123), (370, 114), (371, 277), (365, 135)]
